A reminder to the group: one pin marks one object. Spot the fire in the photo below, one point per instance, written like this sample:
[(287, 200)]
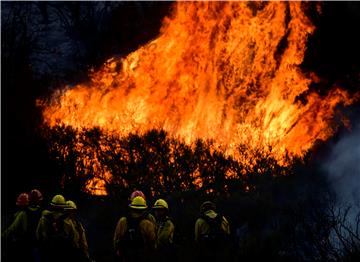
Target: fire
[(222, 71)]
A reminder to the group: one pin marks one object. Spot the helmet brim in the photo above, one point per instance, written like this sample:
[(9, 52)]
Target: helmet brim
[(69, 208), (160, 207), (58, 205), (137, 207)]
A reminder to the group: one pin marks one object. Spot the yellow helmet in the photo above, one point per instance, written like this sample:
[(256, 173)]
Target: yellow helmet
[(138, 203), (70, 205), (58, 201), (161, 203)]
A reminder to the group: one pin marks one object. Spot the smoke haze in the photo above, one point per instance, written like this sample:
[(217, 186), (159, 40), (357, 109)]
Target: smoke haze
[(343, 169)]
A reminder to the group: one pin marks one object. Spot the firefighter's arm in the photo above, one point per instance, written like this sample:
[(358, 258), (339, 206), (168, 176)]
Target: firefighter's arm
[(225, 225), (152, 219), (83, 241), (197, 228), (40, 230), (70, 230), (166, 234), (119, 232), (148, 230), (17, 226)]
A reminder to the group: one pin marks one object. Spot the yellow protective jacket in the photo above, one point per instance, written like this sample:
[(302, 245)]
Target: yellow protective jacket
[(18, 228), (80, 236), (146, 227), (165, 232), (43, 231), (203, 228), (151, 218), (24, 224)]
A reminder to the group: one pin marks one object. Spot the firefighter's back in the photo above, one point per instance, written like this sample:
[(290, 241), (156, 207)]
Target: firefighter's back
[(56, 233), (134, 238)]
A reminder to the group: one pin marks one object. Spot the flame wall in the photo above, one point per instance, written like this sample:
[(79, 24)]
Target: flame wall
[(223, 71)]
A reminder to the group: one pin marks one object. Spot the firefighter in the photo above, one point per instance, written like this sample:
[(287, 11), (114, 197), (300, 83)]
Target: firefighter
[(34, 212), (212, 234), (134, 238), (80, 236), (141, 194), (56, 233), (16, 235), (165, 231)]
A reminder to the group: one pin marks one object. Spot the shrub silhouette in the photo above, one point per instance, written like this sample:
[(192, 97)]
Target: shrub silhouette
[(278, 212)]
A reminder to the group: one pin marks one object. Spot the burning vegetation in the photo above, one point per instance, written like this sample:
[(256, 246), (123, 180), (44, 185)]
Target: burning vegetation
[(230, 101), (224, 72), (154, 162)]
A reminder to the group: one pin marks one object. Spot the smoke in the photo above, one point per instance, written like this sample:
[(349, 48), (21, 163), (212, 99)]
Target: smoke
[(343, 172)]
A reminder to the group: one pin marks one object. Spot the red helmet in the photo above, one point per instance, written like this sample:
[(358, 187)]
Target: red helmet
[(35, 196), (22, 200), (137, 193)]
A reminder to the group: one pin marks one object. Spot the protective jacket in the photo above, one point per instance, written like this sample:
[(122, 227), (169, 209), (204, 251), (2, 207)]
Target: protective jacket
[(165, 232), (18, 228), (80, 238), (211, 235), (151, 218), (202, 227), (20, 235), (24, 224), (57, 236), (134, 236)]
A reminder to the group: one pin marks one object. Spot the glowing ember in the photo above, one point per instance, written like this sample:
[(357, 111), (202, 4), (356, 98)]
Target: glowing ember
[(223, 71)]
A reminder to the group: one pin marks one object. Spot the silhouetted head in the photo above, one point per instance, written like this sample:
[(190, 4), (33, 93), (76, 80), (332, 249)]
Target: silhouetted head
[(206, 206)]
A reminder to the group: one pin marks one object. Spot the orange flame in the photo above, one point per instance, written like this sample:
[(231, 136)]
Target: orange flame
[(223, 71)]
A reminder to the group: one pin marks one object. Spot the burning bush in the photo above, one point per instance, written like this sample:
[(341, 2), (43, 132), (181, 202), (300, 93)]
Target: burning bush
[(153, 161)]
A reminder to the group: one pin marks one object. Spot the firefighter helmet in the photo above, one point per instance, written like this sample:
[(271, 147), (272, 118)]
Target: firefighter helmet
[(207, 205), (138, 203), (58, 201), (137, 193), (161, 203), (35, 196), (70, 205), (22, 200)]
